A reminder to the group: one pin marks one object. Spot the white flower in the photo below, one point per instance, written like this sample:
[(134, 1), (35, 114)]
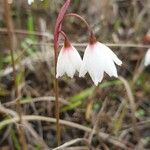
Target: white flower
[(30, 2), (147, 58), (69, 61), (97, 59)]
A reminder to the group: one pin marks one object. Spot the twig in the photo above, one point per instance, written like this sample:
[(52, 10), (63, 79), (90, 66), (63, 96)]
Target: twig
[(36, 33), (77, 148), (70, 143), (37, 99), (12, 113), (132, 105), (12, 47), (140, 125), (103, 136), (128, 45), (38, 138), (25, 32)]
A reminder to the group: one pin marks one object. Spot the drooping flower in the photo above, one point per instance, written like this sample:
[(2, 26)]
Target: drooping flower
[(69, 61), (97, 59), (30, 2), (147, 58)]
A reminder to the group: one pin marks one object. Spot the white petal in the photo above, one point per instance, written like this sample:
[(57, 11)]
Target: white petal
[(106, 59), (86, 58), (60, 64), (95, 68), (83, 70), (110, 53), (98, 77), (147, 58), (110, 68), (92, 64), (75, 59), (68, 62)]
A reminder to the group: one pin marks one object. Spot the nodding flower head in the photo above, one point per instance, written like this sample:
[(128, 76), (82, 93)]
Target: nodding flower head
[(97, 59), (147, 58), (69, 60)]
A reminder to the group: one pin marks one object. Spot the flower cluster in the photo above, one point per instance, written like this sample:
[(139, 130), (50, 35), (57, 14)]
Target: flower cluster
[(97, 59)]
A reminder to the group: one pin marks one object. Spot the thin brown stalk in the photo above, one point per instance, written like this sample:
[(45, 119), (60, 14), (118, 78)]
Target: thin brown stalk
[(12, 47), (132, 105)]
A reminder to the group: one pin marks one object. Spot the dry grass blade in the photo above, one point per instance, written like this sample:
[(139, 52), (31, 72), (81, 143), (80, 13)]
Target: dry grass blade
[(103, 136), (95, 128), (24, 124), (77, 148), (67, 144), (132, 105), (37, 99), (138, 71), (22, 32), (13, 46)]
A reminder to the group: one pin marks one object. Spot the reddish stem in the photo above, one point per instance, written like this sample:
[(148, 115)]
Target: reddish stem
[(57, 104), (92, 38), (63, 34), (56, 44), (81, 18), (59, 20)]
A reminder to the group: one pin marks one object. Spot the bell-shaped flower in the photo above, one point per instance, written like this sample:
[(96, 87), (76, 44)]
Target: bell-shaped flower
[(147, 58), (69, 61), (97, 59)]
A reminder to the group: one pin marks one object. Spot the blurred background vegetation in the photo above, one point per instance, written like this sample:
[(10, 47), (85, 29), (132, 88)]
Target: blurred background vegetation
[(124, 23)]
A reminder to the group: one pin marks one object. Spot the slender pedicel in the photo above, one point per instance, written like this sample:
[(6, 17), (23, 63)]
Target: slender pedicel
[(92, 38)]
